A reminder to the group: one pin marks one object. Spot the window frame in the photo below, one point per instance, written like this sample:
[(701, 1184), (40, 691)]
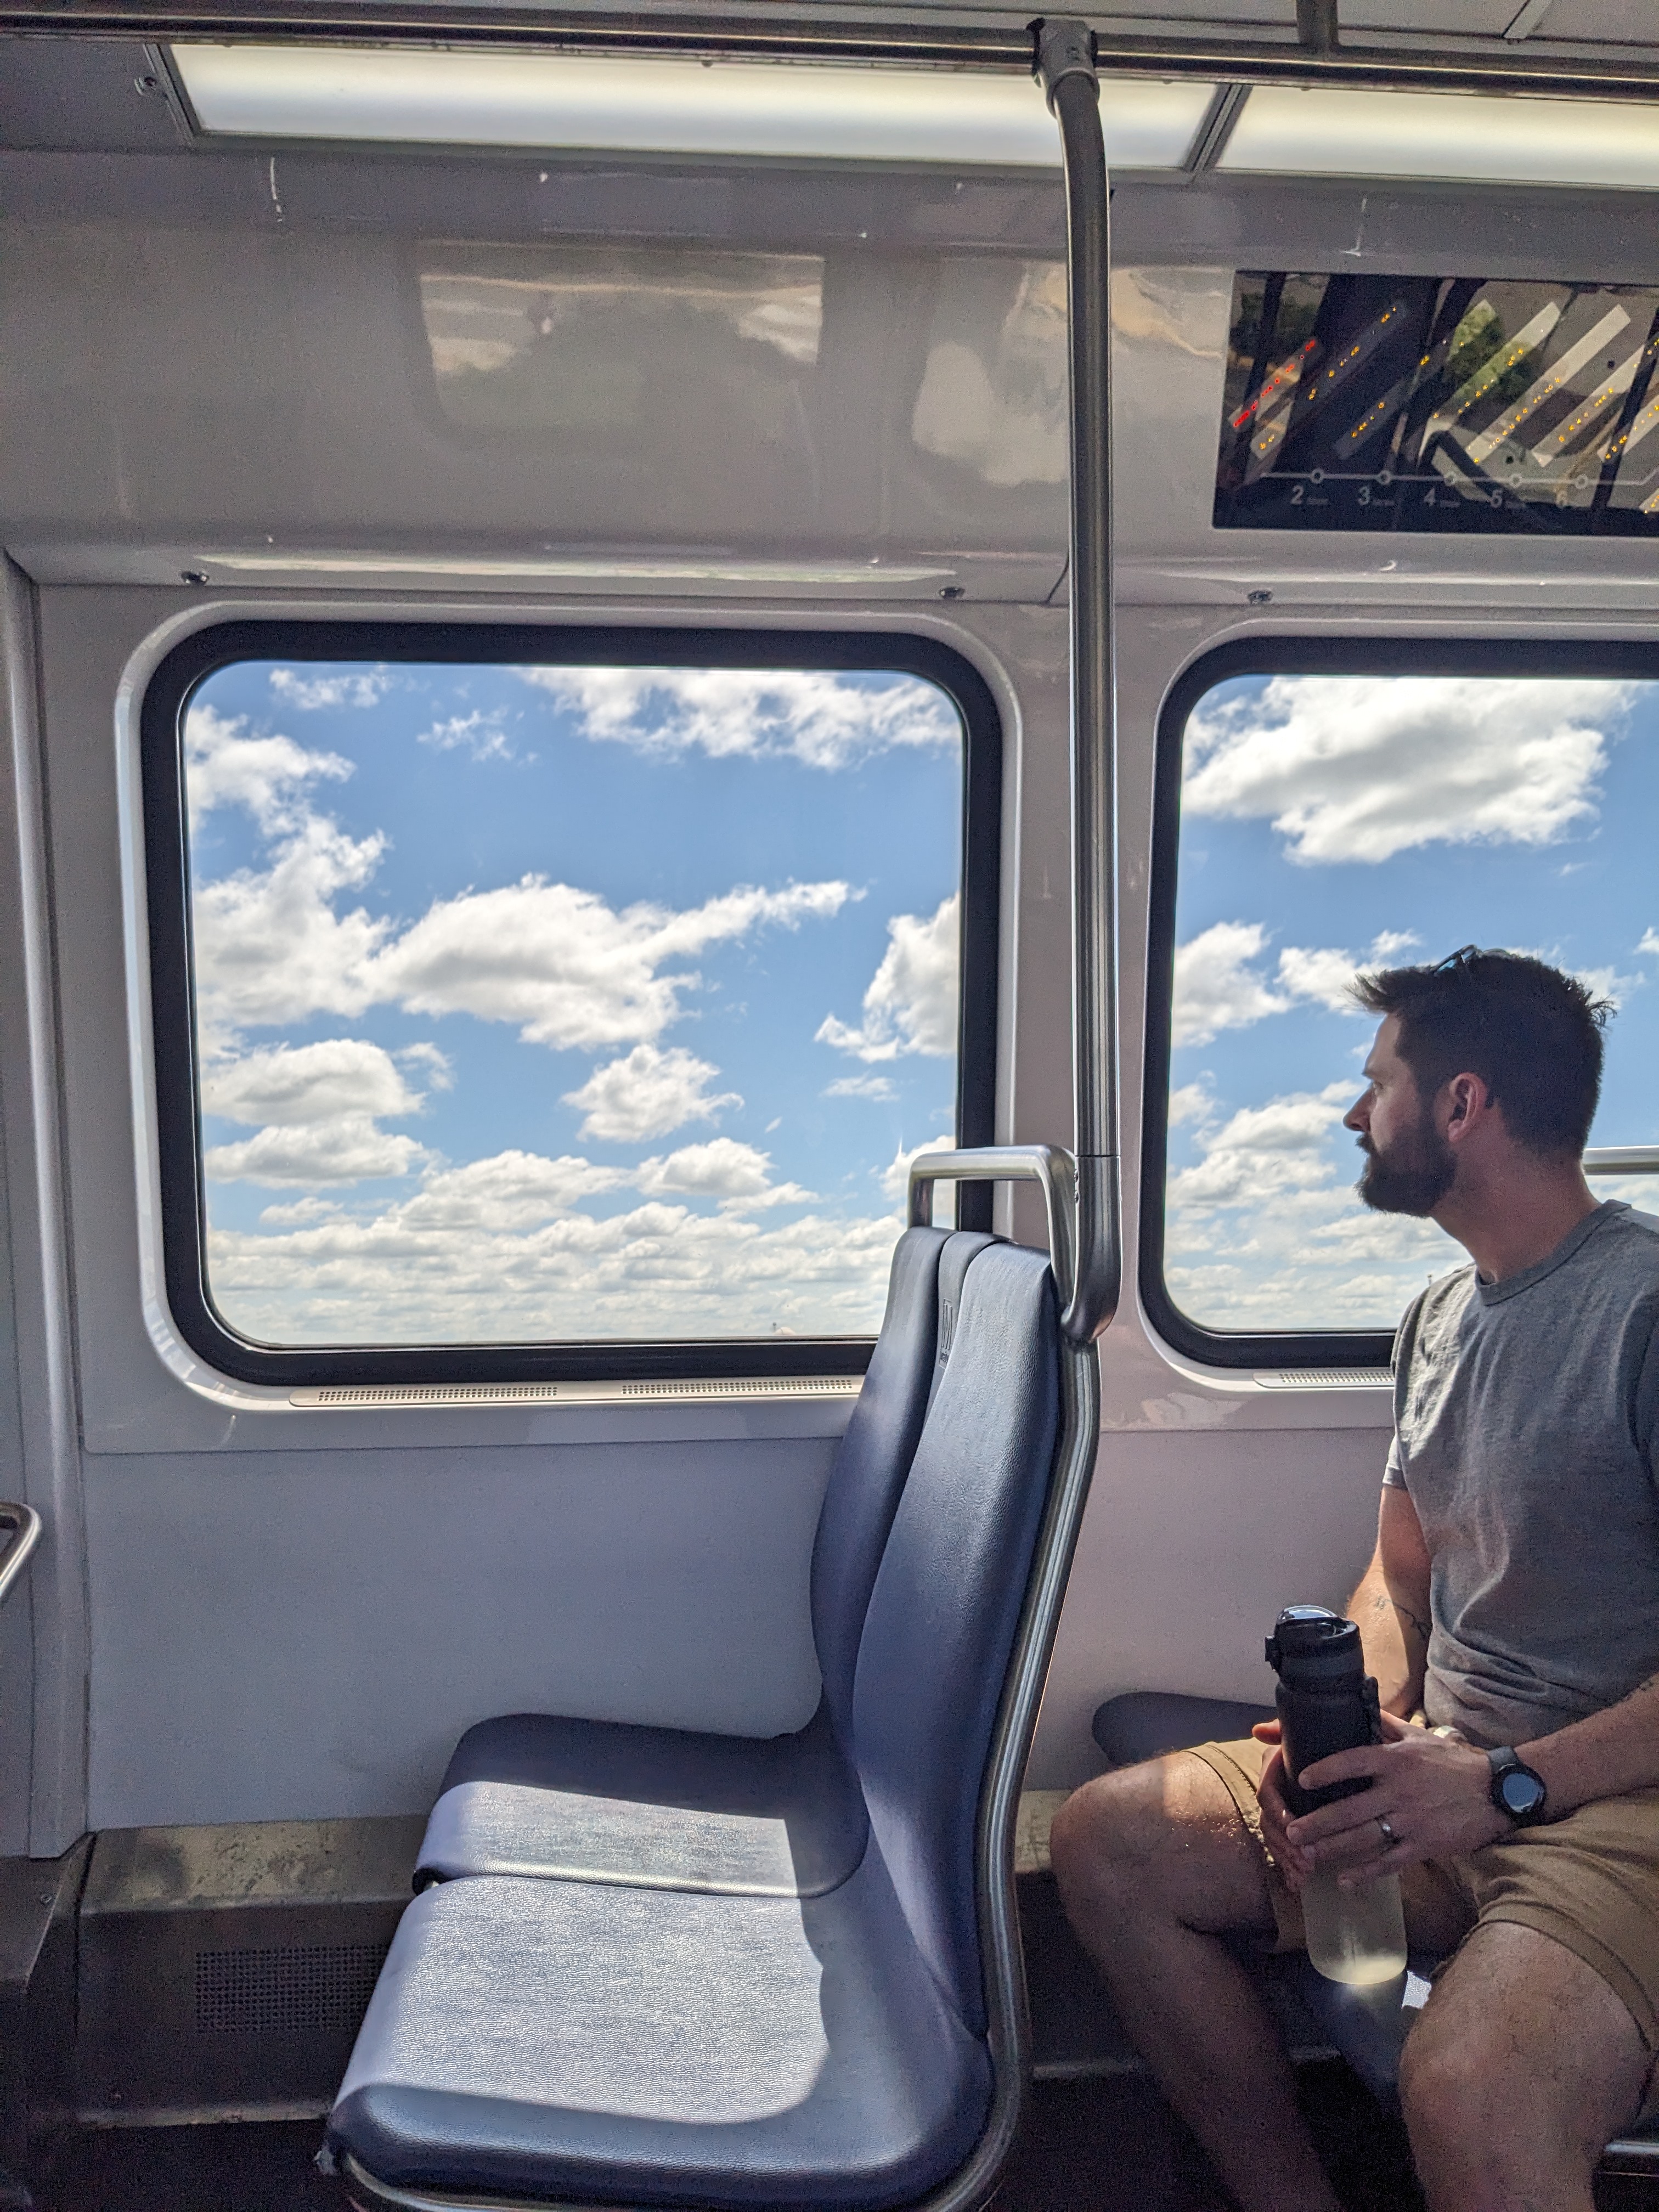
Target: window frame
[(183, 1209), (1287, 653)]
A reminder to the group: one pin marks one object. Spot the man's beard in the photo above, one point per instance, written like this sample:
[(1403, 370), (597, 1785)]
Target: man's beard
[(1412, 1175)]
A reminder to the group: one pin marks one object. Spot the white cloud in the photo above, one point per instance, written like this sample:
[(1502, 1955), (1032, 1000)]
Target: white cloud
[(1389, 944), (347, 1149), (1190, 1102), (436, 1067), (738, 1174), (492, 1252), (1352, 767), (896, 1175), (1266, 1232), (861, 1086), (814, 715), (301, 1084), (269, 946), (1649, 941), (1216, 987), (482, 735), (510, 1192), (557, 961), (647, 1093), (565, 967), (911, 1003), (297, 1211), (269, 776), (365, 687), (1324, 974)]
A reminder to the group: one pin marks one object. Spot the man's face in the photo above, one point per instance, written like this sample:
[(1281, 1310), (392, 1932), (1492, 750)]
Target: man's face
[(1409, 1166)]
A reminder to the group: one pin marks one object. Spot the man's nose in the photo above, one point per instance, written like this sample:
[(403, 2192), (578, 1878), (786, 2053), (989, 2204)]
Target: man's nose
[(1358, 1117)]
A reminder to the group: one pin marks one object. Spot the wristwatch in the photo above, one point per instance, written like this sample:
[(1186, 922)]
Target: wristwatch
[(1516, 1788)]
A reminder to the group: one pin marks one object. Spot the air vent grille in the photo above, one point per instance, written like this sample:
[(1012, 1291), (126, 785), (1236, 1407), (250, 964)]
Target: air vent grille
[(1325, 1378), (575, 1393), (430, 1393), (286, 1989), (787, 1386)]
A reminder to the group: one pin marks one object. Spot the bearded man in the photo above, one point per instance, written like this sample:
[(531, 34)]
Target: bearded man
[(1510, 1614)]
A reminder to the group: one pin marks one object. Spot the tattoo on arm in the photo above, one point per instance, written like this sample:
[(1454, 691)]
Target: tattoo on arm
[(1411, 1618)]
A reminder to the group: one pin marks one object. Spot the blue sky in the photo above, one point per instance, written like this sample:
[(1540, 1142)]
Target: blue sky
[(552, 1003), (1334, 821)]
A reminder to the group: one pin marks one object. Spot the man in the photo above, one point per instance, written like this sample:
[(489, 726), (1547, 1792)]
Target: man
[(1511, 1608)]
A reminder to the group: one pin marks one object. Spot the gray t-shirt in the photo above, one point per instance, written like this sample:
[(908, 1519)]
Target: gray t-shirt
[(1525, 1420)]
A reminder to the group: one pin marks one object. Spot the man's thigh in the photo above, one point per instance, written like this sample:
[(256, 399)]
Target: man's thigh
[(1168, 1833), (1521, 2039)]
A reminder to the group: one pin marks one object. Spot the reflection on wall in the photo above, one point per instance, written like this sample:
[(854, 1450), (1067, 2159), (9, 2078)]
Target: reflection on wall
[(563, 336), (992, 396)]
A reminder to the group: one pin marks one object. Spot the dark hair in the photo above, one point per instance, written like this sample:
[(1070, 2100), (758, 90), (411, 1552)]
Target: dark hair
[(1532, 1034)]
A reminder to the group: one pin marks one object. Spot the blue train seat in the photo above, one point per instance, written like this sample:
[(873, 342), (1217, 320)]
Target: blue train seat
[(595, 1801), (593, 2039)]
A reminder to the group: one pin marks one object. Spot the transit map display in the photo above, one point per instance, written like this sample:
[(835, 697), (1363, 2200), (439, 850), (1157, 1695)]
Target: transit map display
[(1440, 403)]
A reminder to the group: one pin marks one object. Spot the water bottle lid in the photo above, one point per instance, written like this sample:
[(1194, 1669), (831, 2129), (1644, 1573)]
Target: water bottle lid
[(1313, 1634)]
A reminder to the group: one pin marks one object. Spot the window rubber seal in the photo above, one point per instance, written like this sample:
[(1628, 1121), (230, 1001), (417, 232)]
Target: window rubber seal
[(1285, 654), (183, 1212)]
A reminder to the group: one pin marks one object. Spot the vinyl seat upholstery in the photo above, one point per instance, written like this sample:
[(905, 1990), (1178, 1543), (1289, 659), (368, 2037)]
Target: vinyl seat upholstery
[(605, 2039), (536, 1794)]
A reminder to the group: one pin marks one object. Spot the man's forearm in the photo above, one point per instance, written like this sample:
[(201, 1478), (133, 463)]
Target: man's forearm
[(1395, 1644), (1605, 1756)]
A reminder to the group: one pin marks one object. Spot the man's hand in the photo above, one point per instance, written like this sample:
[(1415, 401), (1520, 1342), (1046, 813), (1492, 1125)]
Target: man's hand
[(1433, 1791), (1296, 1866)]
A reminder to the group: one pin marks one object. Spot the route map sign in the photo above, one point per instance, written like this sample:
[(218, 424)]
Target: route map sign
[(1440, 403)]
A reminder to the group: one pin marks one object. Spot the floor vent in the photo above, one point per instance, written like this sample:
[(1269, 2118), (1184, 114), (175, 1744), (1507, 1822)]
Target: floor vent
[(286, 1989)]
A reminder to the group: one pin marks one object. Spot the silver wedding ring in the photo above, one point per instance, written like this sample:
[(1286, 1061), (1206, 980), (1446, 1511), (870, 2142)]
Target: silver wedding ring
[(1389, 1835)]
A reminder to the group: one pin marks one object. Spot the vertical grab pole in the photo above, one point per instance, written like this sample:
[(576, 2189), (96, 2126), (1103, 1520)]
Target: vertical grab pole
[(1065, 70)]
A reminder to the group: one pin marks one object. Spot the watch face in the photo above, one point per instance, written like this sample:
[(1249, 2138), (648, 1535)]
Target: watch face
[(1521, 1793)]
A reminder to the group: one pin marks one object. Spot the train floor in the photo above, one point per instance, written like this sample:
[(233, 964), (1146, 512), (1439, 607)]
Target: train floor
[(1109, 2145)]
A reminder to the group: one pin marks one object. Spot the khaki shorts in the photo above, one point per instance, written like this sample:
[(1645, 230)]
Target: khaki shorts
[(1590, 1881)]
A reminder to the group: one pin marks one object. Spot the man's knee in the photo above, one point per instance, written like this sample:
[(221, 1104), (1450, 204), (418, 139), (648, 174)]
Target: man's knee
[(1161, 1832)]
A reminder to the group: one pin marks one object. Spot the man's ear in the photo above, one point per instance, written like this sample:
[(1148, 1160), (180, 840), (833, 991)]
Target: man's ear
[(1468, 1103)]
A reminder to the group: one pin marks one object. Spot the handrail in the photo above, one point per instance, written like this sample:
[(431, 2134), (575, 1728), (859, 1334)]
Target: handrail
[(1622, 1159), (1065, 70), (25, 1522), (1047, 1164)]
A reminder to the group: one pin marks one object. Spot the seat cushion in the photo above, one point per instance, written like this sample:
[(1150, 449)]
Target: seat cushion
[(1147, 1723), (591, 1801), (552, 2039)]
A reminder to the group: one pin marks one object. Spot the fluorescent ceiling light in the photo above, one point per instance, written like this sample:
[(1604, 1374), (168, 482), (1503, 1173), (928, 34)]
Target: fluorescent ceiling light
[(1293, 130), (536, 100), (438, 568)]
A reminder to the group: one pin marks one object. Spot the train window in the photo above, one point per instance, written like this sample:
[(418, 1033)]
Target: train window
[(558, 1002), (1422, 404), (1328, 807)]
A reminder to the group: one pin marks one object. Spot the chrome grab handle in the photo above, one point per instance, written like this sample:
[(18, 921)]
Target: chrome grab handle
[(1054, 1170), (1622, 1159), (24, 1523)]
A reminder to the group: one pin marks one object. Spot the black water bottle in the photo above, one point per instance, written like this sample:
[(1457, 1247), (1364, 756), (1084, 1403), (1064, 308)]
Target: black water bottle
[(1328, 1702)]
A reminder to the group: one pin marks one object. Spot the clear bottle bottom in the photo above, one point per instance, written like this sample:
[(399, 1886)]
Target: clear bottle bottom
[(1355, 1936)]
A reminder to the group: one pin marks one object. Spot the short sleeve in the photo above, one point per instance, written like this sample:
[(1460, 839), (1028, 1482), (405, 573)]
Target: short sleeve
[(1647, 1406), (1405, 1345)]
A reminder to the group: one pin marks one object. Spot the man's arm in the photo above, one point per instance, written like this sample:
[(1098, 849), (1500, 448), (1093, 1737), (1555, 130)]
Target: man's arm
[(1391, 1606), (1613, 1751)]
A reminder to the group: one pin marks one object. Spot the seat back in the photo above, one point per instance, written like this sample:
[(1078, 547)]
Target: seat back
[(947, 1604), (871, 1464)]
